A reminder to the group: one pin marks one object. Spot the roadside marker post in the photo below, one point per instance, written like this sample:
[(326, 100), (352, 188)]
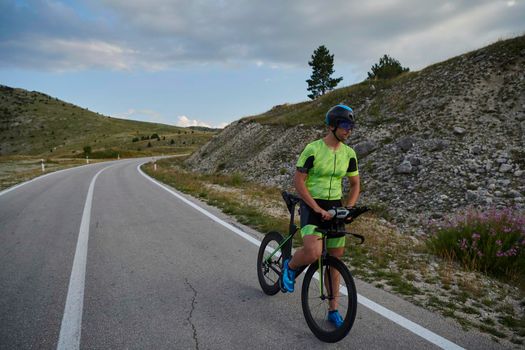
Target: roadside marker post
[(87, 159), (43, 166)]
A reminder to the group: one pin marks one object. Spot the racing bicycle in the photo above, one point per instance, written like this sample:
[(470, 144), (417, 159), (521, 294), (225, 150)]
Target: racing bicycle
[(317, 293)]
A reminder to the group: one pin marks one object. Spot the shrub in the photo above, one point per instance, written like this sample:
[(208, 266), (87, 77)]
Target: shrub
[(87, 150), (492, 241), (135, 139), (387, 68), (104, 154)]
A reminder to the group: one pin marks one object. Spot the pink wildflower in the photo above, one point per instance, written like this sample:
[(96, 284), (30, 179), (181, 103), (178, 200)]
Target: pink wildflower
[(512, 252), (463, 244)]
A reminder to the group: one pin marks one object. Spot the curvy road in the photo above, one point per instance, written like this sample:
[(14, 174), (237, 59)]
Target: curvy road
[(104, 257)]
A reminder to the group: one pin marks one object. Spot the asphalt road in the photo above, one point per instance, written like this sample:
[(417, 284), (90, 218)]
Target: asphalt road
[(160, 274)]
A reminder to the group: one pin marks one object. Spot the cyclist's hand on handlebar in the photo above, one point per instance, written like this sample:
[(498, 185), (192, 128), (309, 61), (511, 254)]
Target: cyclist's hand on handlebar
[(325, 215)]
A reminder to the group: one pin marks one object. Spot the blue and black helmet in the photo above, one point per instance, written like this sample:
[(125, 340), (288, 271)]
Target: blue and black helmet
[(340, 116)]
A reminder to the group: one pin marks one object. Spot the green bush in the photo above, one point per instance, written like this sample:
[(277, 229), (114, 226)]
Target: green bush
[(87, 150), (104, 154), (387, 68), (492, 242)]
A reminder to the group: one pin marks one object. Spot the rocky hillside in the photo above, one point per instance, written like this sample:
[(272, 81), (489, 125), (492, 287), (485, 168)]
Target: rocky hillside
[(430, 142)]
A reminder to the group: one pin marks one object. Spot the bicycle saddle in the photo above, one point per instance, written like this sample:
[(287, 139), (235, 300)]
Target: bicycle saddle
[(291, 200)]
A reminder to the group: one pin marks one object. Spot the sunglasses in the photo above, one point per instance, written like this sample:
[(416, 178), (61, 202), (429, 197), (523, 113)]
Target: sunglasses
[(346, 125)]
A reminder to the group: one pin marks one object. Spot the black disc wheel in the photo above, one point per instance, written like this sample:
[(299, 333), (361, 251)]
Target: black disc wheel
[(324, 289), (269, 263)]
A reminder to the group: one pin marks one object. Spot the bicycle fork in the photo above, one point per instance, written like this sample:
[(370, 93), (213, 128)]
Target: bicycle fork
[(322, 278)]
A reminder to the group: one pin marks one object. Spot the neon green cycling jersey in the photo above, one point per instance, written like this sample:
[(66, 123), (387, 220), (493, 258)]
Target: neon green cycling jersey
[(326, 168)]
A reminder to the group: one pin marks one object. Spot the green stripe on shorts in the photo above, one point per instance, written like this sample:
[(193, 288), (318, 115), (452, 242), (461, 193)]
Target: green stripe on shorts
[(310, 230)]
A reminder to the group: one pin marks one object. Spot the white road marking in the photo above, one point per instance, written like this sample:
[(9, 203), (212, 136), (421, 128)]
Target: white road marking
[(203, 211), (413, 327), (389, 314), (70, 329)]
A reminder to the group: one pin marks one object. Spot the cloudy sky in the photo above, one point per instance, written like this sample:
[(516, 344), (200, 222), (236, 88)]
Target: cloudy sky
[(210, 62)]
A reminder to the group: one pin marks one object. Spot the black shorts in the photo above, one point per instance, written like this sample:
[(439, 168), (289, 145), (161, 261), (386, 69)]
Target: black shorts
[(310, 217), (310, 221)]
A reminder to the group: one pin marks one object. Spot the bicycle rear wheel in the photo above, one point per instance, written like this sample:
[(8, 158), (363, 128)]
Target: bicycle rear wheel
[(316, 297), (269, 268)]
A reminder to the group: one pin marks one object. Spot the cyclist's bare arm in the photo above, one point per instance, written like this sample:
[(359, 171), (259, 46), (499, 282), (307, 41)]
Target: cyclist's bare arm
[(300, 186), (353, 194)]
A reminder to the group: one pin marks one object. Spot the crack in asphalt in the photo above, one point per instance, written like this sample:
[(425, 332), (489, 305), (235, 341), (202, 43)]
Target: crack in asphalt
[(191, 313)]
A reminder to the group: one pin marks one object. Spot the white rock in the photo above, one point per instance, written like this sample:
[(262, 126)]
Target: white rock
[(459, 130), (404, 168), (505, 168)]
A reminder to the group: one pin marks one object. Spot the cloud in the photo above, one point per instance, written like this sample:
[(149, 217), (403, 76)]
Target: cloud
[(152, 116), (185, 122), (63, 54), (165, 34)]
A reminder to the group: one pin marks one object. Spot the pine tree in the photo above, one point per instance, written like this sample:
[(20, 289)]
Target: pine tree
[(322, 64), (387, 68)]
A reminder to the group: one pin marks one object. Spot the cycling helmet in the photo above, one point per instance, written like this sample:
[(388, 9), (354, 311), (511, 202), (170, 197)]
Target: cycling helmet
[(340, 114)]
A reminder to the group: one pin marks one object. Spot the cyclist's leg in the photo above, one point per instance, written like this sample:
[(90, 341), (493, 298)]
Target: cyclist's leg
[(311, 250), (312, 244), (336, 247)]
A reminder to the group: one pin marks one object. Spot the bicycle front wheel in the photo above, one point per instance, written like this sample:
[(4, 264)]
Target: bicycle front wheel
[(327, 288), (269, 263)]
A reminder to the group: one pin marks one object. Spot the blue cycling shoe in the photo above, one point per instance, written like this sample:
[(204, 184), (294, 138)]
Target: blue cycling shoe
[(287, 280), (335, 318)]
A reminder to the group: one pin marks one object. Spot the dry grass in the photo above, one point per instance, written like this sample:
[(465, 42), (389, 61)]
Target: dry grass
[(17, 169)]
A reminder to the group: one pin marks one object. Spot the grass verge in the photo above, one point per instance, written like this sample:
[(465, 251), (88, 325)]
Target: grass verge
[(18, 169)]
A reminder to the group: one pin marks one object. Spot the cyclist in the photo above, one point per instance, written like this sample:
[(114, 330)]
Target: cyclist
[(318, 180)]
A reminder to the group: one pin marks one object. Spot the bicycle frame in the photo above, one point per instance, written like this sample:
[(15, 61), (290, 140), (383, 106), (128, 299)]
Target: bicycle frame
[(286, 246)]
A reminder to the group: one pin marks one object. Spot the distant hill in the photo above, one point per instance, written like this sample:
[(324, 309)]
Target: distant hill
[(204, 128), (428, 143), (33, 123)]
